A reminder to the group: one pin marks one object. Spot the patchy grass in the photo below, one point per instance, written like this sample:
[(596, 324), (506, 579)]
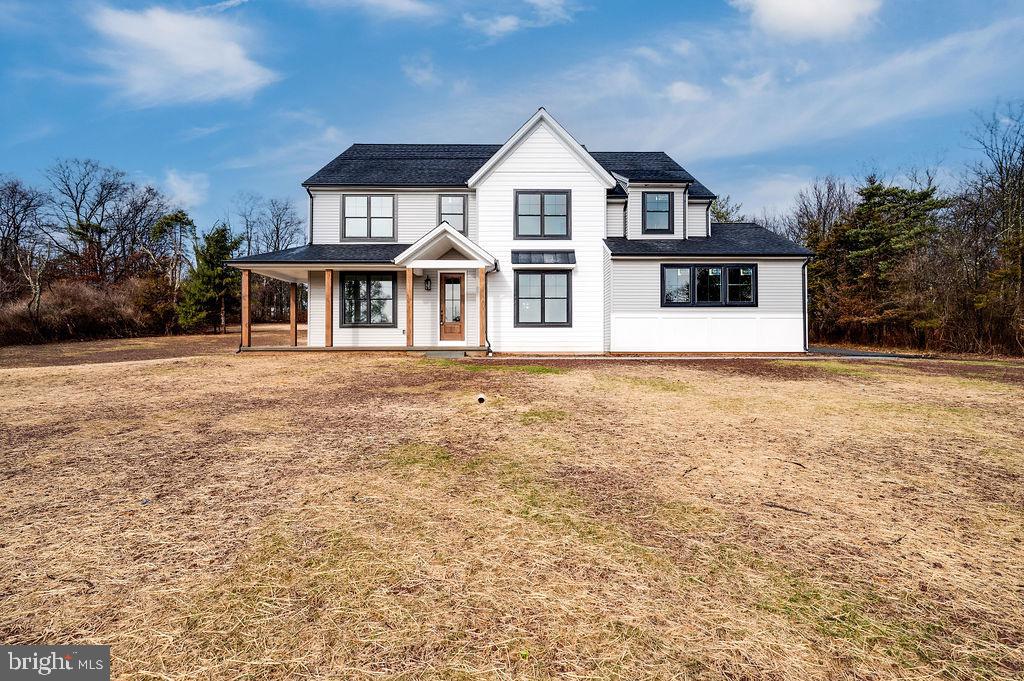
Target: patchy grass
[(469, 365), (532, 416), (342, 516)]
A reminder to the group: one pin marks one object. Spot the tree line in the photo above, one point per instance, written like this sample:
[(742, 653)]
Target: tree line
[(909, 264), (90, 253)]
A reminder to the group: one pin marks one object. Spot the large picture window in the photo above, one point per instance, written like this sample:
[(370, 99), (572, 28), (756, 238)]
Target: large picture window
[(368, 217), (657, 213), (708, 285), (368, 298), (543, 298), (542, 214), (451, 208)]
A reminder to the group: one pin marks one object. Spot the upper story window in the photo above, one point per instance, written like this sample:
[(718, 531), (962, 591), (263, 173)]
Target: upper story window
[(451, 208), (708, 285), (657, 212), (368, 217), (542, 215)]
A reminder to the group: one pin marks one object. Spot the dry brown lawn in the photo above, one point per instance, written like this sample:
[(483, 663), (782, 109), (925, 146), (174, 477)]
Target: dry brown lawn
[(331, 516)]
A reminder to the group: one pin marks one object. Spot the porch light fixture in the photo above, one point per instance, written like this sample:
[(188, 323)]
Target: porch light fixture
[(426, 283)]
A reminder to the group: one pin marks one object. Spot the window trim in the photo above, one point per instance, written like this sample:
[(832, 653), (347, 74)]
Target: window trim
[(724, 301), (542, 323), (644, 229), (465, 211), (361, 274), (394, 219), (542, 235)]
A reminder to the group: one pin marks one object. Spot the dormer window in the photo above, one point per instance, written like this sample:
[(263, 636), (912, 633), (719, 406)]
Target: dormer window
[(451, 208), (657, 212), (542, 215)]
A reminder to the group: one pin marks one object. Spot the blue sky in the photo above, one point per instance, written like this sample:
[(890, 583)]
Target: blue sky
[(754, 97)]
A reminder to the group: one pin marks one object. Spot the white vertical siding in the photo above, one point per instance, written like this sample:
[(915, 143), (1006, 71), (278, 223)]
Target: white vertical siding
[(634, 213), (640, 324), (606, 264), (415, 213), (616, 219), (541, 161), (697, 218)]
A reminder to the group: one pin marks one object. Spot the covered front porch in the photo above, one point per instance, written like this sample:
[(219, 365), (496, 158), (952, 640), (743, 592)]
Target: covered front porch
[(427, 296)]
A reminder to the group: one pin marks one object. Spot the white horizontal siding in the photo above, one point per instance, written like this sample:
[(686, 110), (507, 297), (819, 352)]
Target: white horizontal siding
[(606, 265), (640, 324), (634, 213), (349, 336), (616, 219), (416, 213), (541, 161), (697, 220), (426, 314)]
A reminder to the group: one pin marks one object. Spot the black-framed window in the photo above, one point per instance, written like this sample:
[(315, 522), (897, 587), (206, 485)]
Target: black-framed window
[(368, 216), (453, 209), (658, 213), (368, 298), (684, 285), (543, 298), (543, 214)]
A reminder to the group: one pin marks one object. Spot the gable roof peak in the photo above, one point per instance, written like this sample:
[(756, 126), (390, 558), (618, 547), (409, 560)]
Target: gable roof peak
[(542, 117)]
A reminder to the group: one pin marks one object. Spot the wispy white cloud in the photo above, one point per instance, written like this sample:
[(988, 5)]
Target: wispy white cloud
[(222, 6), (292, 143), (200, 131), (384, 9), (682, 91), (421, 70), (743, 111), (540, 13), (159, 56), (187, 190), (810, 19)]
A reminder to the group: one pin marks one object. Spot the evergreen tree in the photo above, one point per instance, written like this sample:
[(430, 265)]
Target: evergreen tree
[(212, 287), (859, 281)]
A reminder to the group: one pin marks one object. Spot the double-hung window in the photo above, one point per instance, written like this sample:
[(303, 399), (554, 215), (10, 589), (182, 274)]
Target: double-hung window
[(451, 208), (543, 298), (368, 298), (708, 285), (542, 214), (657, 213), (368, 217)]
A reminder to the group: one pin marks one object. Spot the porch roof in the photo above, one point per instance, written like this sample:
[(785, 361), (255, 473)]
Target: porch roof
[(324, 254)]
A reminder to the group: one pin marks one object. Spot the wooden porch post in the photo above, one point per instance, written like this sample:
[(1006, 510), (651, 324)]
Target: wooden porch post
[(408, 308), (329, 308), (482, 295), (293, 312), (246, 328)]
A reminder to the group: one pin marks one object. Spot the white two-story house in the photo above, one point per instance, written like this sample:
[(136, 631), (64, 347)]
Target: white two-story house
[(536, 245)]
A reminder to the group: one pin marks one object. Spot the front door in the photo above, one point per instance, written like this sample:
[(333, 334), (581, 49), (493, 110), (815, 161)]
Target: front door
[(453, 300)]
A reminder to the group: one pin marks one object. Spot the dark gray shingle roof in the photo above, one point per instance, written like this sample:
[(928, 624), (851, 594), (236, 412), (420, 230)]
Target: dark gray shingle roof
[(325, 253), (422, 165), (543, 257), (727, 239), (451, 165)]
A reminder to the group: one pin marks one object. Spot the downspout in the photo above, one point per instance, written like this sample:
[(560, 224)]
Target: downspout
[(803, 288), (487, 327)]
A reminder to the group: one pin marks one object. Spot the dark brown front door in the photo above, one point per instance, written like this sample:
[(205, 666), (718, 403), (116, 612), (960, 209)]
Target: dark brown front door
[(453, 302)]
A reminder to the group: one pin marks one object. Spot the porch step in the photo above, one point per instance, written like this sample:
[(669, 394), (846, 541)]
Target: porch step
[(445, 354)]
